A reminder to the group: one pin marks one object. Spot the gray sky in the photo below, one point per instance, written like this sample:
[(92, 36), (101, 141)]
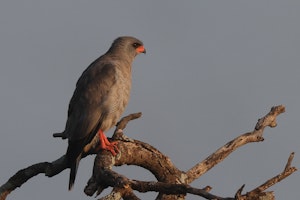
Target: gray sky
[(212, 69)]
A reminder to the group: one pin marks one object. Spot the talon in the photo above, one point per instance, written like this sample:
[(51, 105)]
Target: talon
[(106, 145)]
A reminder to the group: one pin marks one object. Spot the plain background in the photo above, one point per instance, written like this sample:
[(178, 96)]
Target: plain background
[(212, 69)]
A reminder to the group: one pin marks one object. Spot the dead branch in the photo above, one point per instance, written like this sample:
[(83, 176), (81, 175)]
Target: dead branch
[(288, 170), (22, 176), (117, 181), (172, 183), (254, 136), (123, 183)]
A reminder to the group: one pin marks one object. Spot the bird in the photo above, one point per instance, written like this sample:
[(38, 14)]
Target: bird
[(102, 92)]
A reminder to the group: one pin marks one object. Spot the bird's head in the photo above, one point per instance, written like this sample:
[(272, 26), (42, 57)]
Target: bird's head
[(127, 45)]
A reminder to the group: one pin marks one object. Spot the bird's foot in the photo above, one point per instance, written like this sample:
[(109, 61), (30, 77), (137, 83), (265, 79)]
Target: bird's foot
[(110, 146), (107, 145)]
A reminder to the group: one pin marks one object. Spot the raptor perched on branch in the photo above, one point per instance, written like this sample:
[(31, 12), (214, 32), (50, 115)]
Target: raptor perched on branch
[(101, 95)]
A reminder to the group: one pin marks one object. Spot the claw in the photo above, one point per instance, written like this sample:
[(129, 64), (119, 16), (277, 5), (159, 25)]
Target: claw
[(106, 145)]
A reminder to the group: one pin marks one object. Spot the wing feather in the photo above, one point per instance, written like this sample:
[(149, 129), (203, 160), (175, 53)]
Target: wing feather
[(86, 105)]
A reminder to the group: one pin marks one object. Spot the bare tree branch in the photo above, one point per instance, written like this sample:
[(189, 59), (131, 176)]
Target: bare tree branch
[(254, 136), (109, 178), (172, 183), (288, 170)]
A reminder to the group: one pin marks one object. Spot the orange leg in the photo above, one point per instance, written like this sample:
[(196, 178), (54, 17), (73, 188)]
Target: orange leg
[(105, 144)]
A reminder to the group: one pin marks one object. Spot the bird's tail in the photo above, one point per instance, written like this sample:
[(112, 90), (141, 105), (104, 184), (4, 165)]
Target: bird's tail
[(74, 155), (73, 171)]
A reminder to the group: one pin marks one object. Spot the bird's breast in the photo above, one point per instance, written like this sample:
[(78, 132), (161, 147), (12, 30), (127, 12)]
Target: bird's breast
[(117, 99)]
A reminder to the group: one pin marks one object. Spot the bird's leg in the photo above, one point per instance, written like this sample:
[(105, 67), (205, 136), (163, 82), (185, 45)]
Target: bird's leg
[(105, 144)]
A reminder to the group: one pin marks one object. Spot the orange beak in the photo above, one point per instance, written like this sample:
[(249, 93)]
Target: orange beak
[(141, 49)]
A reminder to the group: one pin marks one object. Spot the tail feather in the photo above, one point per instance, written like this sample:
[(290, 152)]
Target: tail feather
[(73, 171), (73, 155)]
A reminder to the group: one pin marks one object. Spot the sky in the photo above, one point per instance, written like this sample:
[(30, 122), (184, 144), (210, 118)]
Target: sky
[(212, 69)]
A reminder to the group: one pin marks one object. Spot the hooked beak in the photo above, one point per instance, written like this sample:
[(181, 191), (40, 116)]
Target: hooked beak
[(141, 49)]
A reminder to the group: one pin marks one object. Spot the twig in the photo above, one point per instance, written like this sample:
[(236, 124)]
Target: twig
[(289, 162)]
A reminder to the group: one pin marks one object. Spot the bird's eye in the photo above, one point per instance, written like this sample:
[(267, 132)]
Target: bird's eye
[(136, 45)]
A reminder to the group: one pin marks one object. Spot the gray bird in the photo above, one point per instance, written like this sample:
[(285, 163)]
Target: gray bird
[(101, 95)]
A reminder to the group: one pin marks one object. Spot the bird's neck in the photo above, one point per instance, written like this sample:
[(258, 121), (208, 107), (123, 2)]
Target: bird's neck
[(121, 57)]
